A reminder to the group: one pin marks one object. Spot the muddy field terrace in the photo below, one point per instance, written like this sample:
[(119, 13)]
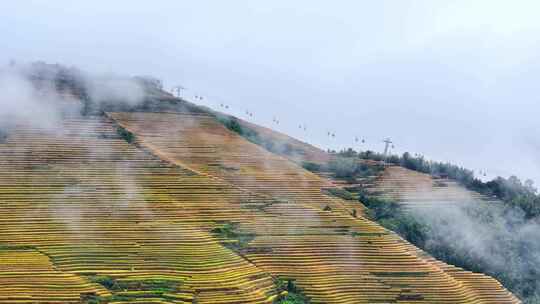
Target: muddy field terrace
[(160, 202)]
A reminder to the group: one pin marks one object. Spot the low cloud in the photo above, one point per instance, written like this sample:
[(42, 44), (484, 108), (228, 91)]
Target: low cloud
[(40, 95), (487, 237), (22, 104), (111, 89)]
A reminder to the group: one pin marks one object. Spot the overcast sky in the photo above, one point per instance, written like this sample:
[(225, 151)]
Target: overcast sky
[(454, 80)]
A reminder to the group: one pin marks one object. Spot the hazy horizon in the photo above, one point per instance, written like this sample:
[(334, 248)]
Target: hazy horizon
[(452, 81)]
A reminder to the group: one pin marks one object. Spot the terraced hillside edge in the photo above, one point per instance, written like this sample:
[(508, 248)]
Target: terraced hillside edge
[(444, 216), (462, 227)]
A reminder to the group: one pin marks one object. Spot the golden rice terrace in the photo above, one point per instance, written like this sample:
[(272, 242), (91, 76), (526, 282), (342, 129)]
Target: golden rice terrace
[(420, 190), (186, 211)]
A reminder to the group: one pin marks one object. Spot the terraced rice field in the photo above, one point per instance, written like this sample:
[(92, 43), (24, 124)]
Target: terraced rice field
[(83, 203), (416, 189), (334, 256), (28, 276)]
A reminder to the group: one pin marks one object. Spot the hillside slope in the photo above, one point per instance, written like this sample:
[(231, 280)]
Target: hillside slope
[(165, 204), (308, 236)]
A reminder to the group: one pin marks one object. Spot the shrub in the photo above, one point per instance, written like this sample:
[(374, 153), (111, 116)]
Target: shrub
[(150, 285), (341, 193), (125, 134), (293, 295), (343, 167), (313, 167), (230, 231)]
